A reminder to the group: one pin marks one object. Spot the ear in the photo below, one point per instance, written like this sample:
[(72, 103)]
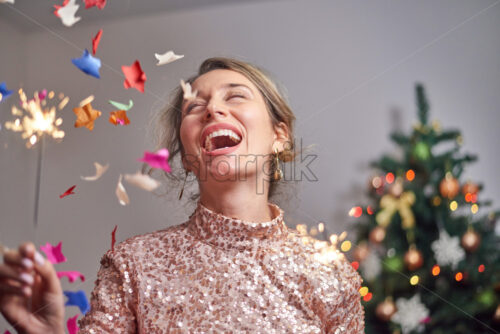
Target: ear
[(281, 136)]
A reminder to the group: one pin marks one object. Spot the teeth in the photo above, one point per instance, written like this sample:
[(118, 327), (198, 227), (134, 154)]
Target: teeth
[(224, 132)]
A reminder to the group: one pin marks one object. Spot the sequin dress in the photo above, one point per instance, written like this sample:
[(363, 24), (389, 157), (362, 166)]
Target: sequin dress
[(216, 274)]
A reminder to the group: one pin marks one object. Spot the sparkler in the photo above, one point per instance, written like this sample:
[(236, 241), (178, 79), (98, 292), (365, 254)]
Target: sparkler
[(36, 119)]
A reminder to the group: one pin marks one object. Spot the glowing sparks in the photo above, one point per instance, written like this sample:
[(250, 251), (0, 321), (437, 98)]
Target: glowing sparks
[(37, 119)]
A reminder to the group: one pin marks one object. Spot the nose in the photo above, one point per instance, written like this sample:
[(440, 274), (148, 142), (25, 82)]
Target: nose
[(214, 110)]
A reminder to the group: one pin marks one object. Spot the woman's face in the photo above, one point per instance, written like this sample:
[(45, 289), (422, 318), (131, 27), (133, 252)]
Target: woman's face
[(227, 99)]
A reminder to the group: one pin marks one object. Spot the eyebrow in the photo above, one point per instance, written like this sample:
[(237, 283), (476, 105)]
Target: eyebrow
[(224, 86)]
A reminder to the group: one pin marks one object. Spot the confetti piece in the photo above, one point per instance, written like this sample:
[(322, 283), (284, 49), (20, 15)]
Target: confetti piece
[(119, 117), (95, 41), (4, 91), (188, 93), (42, 95), (57, 7), (88, 64), (86, 116), (68, 192), (121, 106), (134, 77), (113, 238), (63, 103), (71, 275), (166, 58), (67, 13), (72, 325), (87, 100), (98, 3), (157, 160), (121, 193), (99, 170), (54, 253), (77, 298), (143, 181)]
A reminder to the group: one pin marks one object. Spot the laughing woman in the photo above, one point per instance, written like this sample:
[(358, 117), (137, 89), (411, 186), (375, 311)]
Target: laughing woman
[(233, 265)]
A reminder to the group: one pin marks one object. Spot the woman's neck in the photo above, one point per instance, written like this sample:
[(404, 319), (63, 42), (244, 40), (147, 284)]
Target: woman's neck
[(239, 203)]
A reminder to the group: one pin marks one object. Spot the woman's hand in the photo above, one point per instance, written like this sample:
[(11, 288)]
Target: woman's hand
[(31, 297)]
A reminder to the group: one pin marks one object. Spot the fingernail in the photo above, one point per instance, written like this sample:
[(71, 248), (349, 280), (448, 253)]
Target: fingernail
[(27, 263), (39, 259), (26, 290), (26, 278)]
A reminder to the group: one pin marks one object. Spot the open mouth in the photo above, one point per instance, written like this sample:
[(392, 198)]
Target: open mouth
[(221, 139)]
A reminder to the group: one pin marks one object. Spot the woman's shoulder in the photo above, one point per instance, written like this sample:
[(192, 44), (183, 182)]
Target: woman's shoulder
[(322, 257)]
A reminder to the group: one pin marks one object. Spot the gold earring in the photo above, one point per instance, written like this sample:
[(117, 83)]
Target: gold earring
[(182, 190), (278, 173)]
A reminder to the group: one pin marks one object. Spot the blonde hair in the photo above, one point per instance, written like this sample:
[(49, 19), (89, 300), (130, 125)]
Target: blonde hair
[(167, 122)]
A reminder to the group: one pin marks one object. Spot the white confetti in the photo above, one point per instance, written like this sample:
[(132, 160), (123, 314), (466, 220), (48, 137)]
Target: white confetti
[(121, 193), (99, 170), (143, 181), (67, 13), (166, 58), (188, 93)]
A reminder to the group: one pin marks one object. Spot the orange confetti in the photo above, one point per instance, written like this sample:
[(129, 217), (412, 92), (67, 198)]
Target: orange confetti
[(85, 116), (119, 117)]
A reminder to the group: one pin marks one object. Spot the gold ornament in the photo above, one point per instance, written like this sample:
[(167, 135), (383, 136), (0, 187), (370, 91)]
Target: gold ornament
[(390, 205), (385, 310), (377, 235), (471, 240), (413, 258), (449, 186), (361, 252)]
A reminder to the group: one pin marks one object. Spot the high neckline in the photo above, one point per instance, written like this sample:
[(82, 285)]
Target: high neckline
[(232, 233)]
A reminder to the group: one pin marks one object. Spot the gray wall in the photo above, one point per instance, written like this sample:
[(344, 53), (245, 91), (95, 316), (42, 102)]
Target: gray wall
[(349, 68)]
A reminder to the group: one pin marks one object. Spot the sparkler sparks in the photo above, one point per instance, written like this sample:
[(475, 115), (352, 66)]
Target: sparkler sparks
[(37, 118)]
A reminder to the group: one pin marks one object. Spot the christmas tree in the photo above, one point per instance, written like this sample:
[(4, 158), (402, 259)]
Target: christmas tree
[(426, 244)]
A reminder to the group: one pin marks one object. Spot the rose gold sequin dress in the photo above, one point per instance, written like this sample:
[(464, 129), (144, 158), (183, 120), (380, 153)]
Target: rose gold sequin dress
[(216, 274)]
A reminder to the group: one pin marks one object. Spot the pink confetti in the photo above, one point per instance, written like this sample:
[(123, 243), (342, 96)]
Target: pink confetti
[(42, 95), (6, 332), (157, 160), (54, 254), (72, 325), (71, 275)]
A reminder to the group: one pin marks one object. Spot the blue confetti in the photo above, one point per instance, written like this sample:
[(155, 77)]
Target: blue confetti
[(77, 298), (88, 64), (4, 91)]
